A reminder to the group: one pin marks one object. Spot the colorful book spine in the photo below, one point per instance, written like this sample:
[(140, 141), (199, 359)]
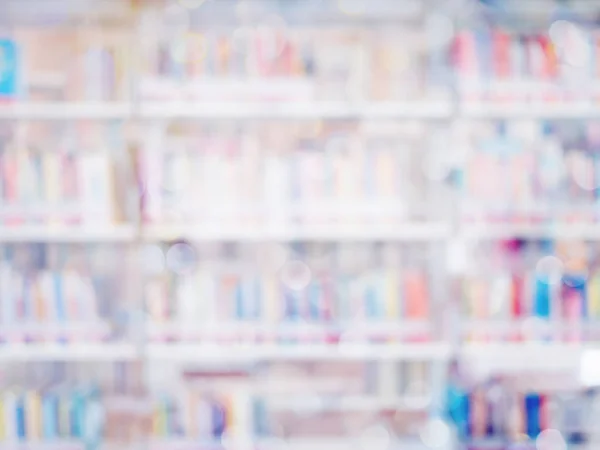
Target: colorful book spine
[(10, 69)]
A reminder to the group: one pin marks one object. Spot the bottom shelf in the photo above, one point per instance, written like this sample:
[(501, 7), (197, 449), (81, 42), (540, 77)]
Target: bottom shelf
[(266, 444)]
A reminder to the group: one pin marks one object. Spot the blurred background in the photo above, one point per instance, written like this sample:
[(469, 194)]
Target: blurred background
[(299, 224)]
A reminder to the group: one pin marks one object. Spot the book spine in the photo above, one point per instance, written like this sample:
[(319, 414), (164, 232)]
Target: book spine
[(9, 402), (96, 183), (33, 416), (20, 419), (50, 417)]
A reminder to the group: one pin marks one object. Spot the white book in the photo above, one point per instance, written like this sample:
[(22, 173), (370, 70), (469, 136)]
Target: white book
[(276, 188), (187, 303), (152, 162), (86, 296), (70, 301), (96, 184), (7, 299), (52, 182), (206, 298)]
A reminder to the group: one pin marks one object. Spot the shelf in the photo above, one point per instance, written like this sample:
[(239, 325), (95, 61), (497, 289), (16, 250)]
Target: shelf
[(533, 110), (295, 110), (76, 234), (67, 352), (294, 352), (257, 330), (541, 231), (522, 357), (66, 110), (289, 444), (401, 232), (349, 403)]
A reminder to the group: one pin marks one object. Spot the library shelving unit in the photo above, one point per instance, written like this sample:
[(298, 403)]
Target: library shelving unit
[(307, 116)]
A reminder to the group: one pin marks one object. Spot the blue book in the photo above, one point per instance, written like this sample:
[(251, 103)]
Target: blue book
[(240, 312), (372, 308), (77, 415), (59, 298), (218, 421), (9, 68), (314, 300), (541, 306), (459, 409), (261, 422), (50, 416), (532, 415), (292, 305), (20, 418), (256, 301)]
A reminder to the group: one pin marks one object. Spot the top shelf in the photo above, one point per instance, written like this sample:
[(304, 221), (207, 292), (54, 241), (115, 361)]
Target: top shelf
[(293, 111)]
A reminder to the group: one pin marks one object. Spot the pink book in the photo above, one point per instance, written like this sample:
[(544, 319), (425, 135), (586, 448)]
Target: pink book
[(467, 64), (416, 297), (9, 172), (572, 312)]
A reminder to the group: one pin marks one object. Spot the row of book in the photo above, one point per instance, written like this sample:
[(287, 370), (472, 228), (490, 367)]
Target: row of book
[(502, 65), (67, 414), (54, 64), (276, 62), (69, 182), (494, 411), (209, 418), (312, 173), (531, 171), (338, 290), (57, 293), (532, 290), (274, 401), (49, 306), (309, 171)]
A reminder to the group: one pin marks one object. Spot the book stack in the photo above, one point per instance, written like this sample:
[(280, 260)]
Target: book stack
[(355, 292), (64, 64), (499, 65), (356, 173), (533, 291), (531, 172), (70, 182)]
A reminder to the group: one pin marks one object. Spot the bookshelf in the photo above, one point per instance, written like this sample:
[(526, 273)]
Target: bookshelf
[(166, 103)]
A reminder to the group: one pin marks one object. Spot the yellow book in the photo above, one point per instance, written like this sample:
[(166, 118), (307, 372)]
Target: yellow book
[(230, 413), (157, 422), (2, 422), (593, 295)]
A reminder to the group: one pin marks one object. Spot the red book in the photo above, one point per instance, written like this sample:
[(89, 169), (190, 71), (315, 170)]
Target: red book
[(549, 69), (501, 61)]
